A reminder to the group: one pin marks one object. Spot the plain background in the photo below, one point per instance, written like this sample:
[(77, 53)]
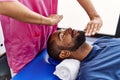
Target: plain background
[(76, 17)]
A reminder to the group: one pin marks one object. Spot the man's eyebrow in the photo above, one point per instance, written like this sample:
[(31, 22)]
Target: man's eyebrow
[(59, 35)]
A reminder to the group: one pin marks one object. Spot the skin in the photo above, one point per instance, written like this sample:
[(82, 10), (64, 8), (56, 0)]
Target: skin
[(64, 39), (20, 12), (95, 22)]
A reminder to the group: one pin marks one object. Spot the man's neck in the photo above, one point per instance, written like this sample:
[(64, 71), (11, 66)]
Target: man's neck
[(82, 51)]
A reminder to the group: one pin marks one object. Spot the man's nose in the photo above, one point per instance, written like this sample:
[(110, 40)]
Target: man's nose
[(68, 30)]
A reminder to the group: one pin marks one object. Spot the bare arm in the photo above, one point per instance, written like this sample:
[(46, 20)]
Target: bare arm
[(89, 8), (95, 20), (20, 12)]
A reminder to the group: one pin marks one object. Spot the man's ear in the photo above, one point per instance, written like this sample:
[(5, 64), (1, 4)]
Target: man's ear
[(64, 54)]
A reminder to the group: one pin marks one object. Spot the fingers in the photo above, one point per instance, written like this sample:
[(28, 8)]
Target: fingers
[(60, 17), (93, 27), (55, 19)]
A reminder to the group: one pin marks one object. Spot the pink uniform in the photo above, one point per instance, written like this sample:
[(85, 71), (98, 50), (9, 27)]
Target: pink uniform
[(24, 41)]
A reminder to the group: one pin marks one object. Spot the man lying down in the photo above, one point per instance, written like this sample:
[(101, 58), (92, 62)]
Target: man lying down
[(99, 61)]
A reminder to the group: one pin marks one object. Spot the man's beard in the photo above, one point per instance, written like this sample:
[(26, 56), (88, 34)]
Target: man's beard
[(80, 39)]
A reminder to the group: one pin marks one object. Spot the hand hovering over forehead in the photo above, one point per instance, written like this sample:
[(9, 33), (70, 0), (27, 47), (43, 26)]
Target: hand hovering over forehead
[(95, 21), (54, 19), (93, 26)]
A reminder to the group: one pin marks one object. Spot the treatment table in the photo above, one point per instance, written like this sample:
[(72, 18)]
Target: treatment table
[(41, 68)]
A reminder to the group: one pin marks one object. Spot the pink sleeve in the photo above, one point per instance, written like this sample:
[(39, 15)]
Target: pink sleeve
[(7, 0)]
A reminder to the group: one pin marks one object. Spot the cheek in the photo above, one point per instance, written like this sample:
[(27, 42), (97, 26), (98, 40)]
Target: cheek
[(68, 42)]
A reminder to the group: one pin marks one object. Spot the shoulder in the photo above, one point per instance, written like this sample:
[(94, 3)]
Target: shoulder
[(107, 41)]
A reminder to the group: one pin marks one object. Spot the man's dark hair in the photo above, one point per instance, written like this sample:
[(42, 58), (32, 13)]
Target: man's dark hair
[(52, 49)]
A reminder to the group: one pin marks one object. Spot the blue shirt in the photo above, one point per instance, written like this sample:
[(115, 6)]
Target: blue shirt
[(103, 62)]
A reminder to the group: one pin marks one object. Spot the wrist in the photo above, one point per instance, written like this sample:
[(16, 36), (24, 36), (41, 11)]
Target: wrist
[(45, 21), (94, 17)]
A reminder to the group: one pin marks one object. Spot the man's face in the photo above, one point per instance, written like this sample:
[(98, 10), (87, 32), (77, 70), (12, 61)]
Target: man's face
[(68, 39)]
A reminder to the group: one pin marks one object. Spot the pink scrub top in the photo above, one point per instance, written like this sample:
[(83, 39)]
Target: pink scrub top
[(24, 41)]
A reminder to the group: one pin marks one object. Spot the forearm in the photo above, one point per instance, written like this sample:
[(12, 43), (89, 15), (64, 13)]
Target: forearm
[(89, 8), (18, 11)]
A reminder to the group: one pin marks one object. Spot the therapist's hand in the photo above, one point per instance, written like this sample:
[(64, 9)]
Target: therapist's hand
[(54, 19), (93, 26)]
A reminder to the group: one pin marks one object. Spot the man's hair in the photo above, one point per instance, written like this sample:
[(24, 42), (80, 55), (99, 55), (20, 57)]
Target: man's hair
[(52, 49)]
